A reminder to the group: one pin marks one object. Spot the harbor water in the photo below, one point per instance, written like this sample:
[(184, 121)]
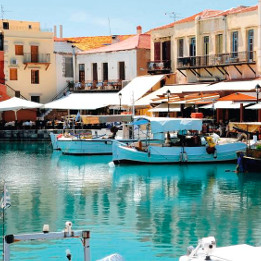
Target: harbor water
[(141, 212)]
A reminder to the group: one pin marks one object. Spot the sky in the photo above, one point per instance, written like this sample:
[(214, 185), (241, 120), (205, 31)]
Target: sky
[(97, 17)]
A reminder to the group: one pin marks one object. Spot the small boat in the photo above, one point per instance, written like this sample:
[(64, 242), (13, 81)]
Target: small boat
[(186, 147), (207, 250), (252, 159), (89, 144)]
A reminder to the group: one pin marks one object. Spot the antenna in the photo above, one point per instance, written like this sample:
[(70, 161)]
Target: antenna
[(3, 11), (173, 15), (109, 23)]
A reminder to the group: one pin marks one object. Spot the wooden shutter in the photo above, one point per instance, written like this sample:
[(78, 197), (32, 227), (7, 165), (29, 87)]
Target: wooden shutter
[(19, 50), (94, 72), (166, 51), (157, 51), (122, 70), (13, 74), (34, 54)]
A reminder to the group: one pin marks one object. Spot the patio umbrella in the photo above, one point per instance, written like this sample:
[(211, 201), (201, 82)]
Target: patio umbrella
[(15, 104)]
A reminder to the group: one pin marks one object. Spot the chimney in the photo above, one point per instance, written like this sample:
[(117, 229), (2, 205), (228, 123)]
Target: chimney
[(139, 29), (55, 31), (114, 39), (61, 31)]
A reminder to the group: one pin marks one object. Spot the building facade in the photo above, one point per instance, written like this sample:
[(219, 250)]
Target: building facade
[(114, 64), (29, 61), (209, 46)]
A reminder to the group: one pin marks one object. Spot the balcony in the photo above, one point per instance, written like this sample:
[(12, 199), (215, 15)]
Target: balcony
[(36, 59), (220, 60), (92, 86), (159, 67)]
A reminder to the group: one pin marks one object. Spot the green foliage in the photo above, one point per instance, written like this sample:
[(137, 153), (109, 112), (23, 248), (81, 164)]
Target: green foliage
[(258, 147)]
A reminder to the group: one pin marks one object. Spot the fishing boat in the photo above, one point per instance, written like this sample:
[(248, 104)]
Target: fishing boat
[(186, 145), (207, 250), (88, 144)]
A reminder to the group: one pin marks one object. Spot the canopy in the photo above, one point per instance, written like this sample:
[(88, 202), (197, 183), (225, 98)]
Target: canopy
[(224, 105), (96, 119), (83, 101), (246, 126), (15, 104), (137, 88), (256, 106), (174, 124), (164, 108)]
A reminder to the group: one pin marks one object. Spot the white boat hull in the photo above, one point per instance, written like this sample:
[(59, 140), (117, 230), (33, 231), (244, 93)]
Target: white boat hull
[(168, 155)]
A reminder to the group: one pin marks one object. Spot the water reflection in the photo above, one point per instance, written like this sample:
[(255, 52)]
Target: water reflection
[(149, 211)]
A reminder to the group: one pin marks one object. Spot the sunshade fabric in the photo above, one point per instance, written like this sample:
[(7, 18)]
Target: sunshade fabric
[(15, 104), (137, 88), (164, 108), (224, 105), (87, 119), (175, 124), (246, 126), (256, 106), (83, 101)]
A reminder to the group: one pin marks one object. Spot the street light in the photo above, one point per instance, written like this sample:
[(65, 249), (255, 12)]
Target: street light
[(257, 93), (168, 95), (120, 96)]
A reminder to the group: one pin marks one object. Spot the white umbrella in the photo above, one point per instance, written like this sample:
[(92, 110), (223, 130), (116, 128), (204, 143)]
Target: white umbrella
[(15, 104)]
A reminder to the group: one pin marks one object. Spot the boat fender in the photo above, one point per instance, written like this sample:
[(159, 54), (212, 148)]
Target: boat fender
[(185, 157), (148, 153), (242, 137), (215, 154), (180, 157)]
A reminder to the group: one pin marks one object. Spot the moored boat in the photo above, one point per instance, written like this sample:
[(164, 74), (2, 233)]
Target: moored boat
[(187, 146), (207, 250)]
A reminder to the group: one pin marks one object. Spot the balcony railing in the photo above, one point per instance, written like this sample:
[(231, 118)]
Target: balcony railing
[(36, 58), (97, 86), (217, 60), (159, 66)]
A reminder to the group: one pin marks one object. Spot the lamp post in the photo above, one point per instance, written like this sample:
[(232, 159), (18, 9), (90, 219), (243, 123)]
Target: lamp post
[(257, 94), (120, 96), (168, 95)]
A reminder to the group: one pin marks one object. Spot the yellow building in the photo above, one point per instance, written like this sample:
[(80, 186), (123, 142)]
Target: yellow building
[(212, 45), (29, 61)]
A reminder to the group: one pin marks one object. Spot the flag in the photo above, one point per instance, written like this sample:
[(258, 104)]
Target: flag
[(78, 116), (5, 200)]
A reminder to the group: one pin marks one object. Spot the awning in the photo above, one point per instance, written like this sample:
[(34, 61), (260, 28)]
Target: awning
[(174, 124), (246, 126), (240, 96), (256, 106), (138, 87), (96, 119), (83, 101), (15, 104), (164, 108), (224, 105), (174, 89)]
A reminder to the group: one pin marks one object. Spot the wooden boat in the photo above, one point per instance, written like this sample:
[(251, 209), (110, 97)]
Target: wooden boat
[(188, 148)]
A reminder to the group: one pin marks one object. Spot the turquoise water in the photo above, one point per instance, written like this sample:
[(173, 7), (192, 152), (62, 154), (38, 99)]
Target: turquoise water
[(141, 212)]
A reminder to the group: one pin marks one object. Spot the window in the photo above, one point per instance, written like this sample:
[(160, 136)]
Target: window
[(192, 49), (35, 99), (19, 50), (180, 47), (250, 48), (122, 70), (235, 44), (6, 25), (105, 71), (13, 74), (35, 77), (1, 42), (219, 43), (94, 72), (166, 51), (206, 45), (29, 26), (157, 51), (81, 73), (68, 67)]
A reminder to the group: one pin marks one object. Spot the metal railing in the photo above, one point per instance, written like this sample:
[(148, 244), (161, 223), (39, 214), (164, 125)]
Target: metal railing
[(216, 60), (159, 66), (36, 58)]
